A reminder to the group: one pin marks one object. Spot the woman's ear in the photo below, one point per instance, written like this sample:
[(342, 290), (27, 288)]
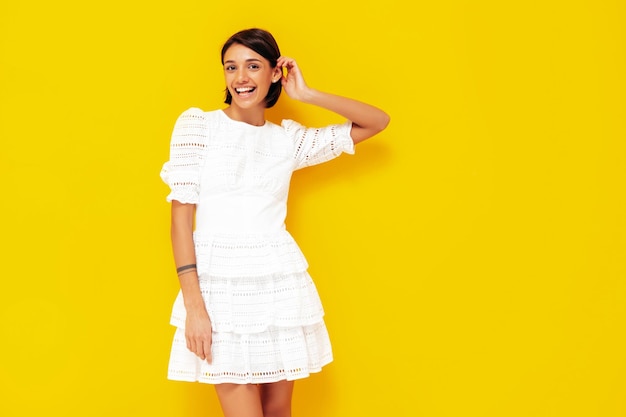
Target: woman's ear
[(277, 75)]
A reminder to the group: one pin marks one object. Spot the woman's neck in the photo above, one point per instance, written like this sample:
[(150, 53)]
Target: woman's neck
[(255, 116)]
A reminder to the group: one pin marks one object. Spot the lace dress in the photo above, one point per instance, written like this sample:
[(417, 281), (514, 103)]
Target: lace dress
[(265, 311)]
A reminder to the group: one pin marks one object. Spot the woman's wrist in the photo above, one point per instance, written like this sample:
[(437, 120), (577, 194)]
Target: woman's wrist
[(309, 96), (185, 269), (194, 304)]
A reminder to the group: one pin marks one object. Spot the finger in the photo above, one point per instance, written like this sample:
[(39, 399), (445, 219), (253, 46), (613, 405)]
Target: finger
[(201, 353), (195, 347), (190, 343), (207, 350), (287, 62)]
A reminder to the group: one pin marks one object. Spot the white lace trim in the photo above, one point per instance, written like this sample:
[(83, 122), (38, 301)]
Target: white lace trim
[(271, 356), (248, 255), (187, 146), (317, 145), (254, 304)]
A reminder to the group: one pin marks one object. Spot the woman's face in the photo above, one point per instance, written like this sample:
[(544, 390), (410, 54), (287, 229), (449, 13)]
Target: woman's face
[(248, 76)]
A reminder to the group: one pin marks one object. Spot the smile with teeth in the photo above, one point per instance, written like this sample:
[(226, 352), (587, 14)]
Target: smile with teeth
[(244, 90)]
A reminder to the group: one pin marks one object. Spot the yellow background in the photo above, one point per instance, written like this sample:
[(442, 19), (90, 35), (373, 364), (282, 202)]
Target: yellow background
[(470, 258)]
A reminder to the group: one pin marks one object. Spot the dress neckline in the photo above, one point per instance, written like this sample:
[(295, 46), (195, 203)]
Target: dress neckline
[(239, 122)]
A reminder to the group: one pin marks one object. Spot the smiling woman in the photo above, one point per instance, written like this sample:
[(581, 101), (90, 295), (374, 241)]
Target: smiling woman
[(486, 222), (251, 80), (248, 315), (250, 60)]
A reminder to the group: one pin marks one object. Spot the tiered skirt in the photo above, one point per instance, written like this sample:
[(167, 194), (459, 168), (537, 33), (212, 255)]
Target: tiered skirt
[(266, 314)]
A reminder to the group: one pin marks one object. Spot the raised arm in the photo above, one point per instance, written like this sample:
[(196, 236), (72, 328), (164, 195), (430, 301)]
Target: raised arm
[(366, 119)]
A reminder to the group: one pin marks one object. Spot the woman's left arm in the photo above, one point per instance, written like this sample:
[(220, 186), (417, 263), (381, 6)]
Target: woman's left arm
[(366, 119)]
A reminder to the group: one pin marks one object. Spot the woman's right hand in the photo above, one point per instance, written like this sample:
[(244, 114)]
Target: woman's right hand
[(198, 333)]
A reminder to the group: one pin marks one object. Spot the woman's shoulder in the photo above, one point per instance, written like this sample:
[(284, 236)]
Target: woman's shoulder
[(289, 124), (198, 113), (290, 128)]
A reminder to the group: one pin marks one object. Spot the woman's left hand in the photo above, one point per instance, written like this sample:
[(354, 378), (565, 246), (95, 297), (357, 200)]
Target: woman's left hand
[(293, 82)]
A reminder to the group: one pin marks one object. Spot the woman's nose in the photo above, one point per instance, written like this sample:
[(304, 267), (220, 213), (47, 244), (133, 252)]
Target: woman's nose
[(241, 76)]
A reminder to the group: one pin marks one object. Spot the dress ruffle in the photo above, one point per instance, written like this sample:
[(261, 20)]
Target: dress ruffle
[(254, 304), (253, 255), (252, 284), (266, 314), (270, 356)]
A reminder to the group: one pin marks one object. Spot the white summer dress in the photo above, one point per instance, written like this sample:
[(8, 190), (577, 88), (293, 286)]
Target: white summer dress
[(266, 314)]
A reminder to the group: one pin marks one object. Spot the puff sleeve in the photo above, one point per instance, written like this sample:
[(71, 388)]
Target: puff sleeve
[(188, 143), (314, 146)]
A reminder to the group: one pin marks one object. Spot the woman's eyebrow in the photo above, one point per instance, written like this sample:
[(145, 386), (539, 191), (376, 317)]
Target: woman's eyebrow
[(247, 60)]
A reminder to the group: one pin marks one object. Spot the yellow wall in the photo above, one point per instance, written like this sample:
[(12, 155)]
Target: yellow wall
[(471, 258)]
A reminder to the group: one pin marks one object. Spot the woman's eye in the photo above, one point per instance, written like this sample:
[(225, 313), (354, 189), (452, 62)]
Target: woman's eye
[(230, 68), (253, 66)]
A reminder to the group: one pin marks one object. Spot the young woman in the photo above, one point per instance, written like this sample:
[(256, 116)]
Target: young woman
[(248, 316)]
